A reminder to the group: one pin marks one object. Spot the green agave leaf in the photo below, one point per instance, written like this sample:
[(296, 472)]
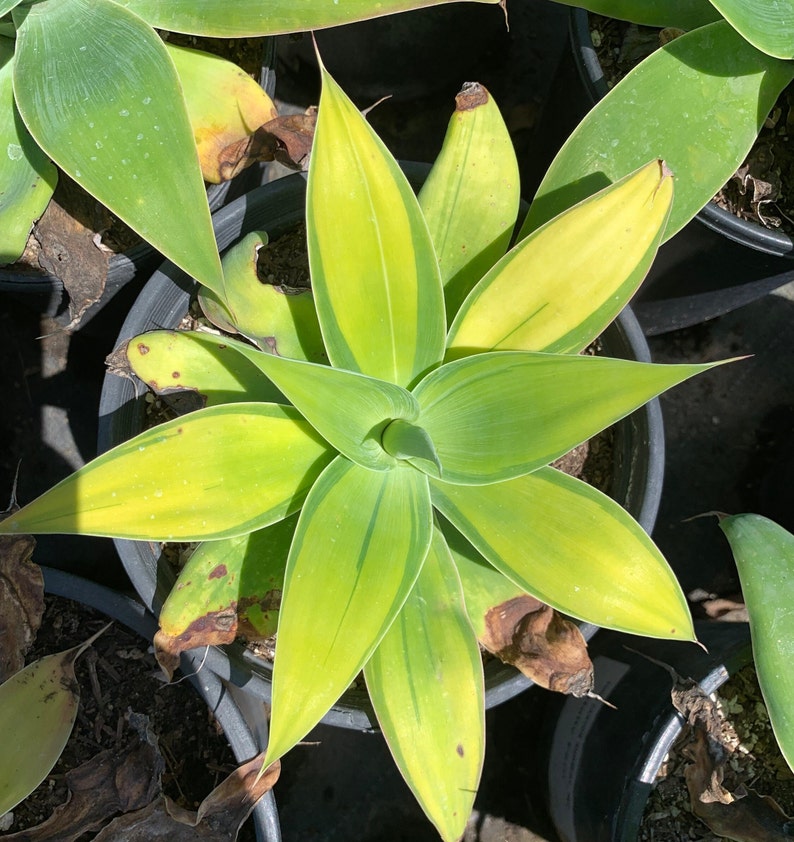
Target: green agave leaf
[(215, 473), (281, 321), (348, 409), (7, 5), (767, 26), (426, 684), (27, 176), (568, 280), (380, 303), (764, 554), (573, 548), (97, 90), (698, 103), (470, 199), (212, 366), (38, 708), (241, 18), (686, 14), (361, 540), (496, 416), (226, 582)]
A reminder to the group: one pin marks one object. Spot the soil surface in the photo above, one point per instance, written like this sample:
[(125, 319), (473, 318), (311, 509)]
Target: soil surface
[(118, 676)]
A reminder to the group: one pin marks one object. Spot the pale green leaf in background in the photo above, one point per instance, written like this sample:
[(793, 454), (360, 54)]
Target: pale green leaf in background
[(764, 553), (361, 540), (471, 196), (210, 365), (38, 708), (698, 103), (383, 272), (499, 415), (766, 24), (243, 18), (425, 681), (685, 14), (231, 469), (97, 90), (572, 547), (563, 286), (27, 176)]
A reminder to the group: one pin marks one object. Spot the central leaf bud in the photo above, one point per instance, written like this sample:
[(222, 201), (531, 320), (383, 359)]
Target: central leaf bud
[(411, 443)]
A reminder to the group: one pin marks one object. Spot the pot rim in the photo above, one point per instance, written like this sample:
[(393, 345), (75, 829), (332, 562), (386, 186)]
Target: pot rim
[(164, 301)]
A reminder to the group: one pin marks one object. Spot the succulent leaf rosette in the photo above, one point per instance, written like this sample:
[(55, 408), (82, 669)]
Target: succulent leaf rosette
[(391, 474)]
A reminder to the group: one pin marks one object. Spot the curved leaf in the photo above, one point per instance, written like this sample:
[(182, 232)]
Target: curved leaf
[(38, 708), (27, 176), (379, 301), (278, 320), (686, 14), (568, 280), (212, 366), (242, 18), (764, 554), (361, 540), (470, 198), (215, 473), (698, 103), (224, 104), (425, 681), (767, 26), (574, 548), (227, 587), (499, 415), (97, 90), (348, 409)]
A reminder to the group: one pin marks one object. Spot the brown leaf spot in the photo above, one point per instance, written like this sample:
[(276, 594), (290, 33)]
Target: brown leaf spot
[(472, 95), (143, 349), (218, 572), (212, 629), (459, 750), (176, 375)]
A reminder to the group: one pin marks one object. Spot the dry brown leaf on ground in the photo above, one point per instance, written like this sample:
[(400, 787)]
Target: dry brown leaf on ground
[(218, 818), (21, 601), (541, 643), (112, 782)]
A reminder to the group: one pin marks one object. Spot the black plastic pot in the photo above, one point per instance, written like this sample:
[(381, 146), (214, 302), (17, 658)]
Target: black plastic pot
[(277, 207), (134, 616), (715, 264), (48, 291), (602, 762)]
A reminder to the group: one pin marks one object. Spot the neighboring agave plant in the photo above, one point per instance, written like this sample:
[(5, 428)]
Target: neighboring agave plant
[(392, 476)]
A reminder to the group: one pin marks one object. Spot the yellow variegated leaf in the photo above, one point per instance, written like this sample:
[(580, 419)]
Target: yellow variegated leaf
[(425, 681), (470, 199), (225, 106), (576, 550), (168, 360), (499, 415), (361, 540), (230, 469), (383, 272), (567, 281)]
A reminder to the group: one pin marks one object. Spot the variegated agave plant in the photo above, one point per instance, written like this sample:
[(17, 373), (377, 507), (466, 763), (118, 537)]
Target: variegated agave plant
[(441, 378)]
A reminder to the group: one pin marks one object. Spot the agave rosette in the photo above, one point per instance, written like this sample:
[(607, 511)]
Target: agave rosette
[(447, 378)]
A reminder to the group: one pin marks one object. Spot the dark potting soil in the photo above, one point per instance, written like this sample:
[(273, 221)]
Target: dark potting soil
[(118, 675), (759, 190), (754, 763)]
